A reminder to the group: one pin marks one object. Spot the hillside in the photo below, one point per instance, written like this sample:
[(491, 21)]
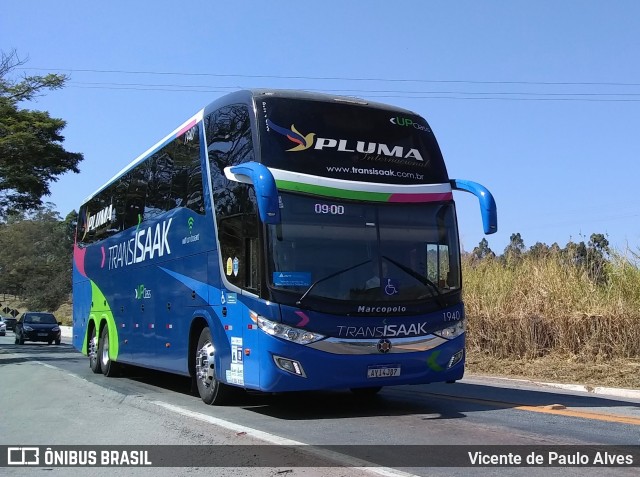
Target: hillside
[(63, 312)]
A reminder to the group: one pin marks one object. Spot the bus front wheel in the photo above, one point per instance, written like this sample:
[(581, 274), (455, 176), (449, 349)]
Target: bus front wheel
[(211, 390)]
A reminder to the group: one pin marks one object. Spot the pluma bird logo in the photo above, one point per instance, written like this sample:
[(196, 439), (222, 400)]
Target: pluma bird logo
[(303, 141)]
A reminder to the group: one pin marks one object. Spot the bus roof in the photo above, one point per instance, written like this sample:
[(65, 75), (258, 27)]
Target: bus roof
[(249, 95)]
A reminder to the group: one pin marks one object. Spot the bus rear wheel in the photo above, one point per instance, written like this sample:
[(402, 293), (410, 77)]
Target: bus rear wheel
[(211, 390), (92, 351), (109, 367)]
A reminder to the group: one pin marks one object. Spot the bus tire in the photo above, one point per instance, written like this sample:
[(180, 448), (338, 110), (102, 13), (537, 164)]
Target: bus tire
[(92, 352), (109, 368), (366, 392), (210, 389)]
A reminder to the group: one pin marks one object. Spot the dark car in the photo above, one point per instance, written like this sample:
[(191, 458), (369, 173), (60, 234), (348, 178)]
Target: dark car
[(10, 321), (37, 326)]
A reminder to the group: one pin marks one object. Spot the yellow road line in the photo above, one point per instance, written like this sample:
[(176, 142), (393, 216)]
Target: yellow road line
[(555, 409), (635, 421)]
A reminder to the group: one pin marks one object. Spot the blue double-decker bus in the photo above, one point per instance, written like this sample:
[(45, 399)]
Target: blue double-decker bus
[(278, 241)]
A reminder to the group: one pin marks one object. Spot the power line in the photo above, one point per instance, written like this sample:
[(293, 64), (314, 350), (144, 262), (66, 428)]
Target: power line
[(371, 93), (480, 96), (505, 93), (335, 78)]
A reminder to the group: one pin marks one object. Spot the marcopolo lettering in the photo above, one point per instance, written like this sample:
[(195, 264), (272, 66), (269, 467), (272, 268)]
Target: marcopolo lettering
[(381, 309), (146, 244)]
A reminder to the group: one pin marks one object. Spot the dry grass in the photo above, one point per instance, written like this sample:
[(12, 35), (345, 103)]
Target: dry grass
[(557, 368), (542, 318)]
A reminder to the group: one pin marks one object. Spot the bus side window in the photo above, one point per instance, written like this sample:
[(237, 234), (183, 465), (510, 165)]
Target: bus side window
[(229, 143), (136, 197), (239, 249)]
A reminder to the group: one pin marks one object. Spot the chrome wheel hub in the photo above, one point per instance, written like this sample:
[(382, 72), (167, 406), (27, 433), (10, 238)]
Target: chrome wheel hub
[(105, 351), (204, 364), (93, 349)]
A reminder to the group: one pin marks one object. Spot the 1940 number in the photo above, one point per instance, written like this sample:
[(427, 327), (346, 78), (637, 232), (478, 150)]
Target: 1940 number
[(451, 315)]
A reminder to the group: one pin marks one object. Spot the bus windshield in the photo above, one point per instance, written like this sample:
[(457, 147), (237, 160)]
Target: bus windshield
[(363, 251)]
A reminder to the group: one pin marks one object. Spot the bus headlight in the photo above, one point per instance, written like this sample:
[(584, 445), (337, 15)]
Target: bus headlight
[(286, 332), (452, 331)]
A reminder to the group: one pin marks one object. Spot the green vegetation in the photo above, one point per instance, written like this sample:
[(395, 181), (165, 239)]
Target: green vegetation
[(35, 257), (31, 152), (35, 243)]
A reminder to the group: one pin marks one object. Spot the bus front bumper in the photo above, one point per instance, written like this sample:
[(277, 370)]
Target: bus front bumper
[(385, 362)]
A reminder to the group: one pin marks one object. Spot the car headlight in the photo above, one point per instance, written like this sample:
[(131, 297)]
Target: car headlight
[(451, 331), (286, 332), (27, 328), (55, 328)]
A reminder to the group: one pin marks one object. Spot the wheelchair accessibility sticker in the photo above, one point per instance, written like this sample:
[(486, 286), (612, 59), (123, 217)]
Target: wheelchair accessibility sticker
[(391, 287)]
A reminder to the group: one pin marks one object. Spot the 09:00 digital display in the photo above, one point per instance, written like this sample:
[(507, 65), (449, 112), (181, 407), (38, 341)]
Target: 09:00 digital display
[(331, 209)]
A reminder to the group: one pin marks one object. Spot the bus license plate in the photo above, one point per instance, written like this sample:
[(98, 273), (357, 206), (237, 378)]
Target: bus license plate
[(383, 371)]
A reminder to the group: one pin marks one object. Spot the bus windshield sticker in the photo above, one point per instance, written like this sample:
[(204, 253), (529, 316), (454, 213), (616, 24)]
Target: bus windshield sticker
[(235, 375), (229, 266), (391, 286), (236, 264), (292, 279)]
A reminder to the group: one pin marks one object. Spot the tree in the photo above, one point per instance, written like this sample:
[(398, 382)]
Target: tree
[(592, 257), (482, 251), (31, 152), (515, 249), (597, 257), (35, 262), (539, 250)]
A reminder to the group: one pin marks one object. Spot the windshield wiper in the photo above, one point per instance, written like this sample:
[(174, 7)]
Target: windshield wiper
[(324, 279), (422, 279)]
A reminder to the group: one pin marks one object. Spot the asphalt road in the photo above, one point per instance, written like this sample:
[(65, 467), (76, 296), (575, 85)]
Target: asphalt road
[(50, 397)]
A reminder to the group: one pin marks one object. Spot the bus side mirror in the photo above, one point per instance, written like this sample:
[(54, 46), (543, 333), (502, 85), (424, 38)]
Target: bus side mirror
[(487, 203), (265, 185)]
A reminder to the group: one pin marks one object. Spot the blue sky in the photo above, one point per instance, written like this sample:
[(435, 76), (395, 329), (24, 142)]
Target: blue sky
[(539, 101)]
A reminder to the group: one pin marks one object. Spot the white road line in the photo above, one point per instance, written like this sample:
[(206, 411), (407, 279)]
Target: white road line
[(341, 459), (68, 373), (333, 456)]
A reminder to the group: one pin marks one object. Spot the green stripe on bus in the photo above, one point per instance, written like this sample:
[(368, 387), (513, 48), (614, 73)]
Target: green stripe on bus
[(100, 310), (332, 191)]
